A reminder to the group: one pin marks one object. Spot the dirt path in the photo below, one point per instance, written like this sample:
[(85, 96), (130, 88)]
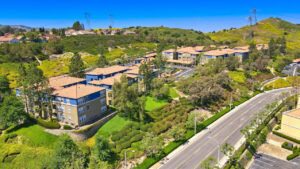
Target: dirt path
[(179, 92)]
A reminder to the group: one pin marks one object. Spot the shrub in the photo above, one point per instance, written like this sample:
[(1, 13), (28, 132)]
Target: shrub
[(67, 127), (284, 145), (277, 128), (48, 124), (292, 156), (9, 136), (286, 137), (248, 155), (116, 137)]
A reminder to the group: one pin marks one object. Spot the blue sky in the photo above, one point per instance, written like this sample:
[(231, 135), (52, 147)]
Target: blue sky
[(190, 14)]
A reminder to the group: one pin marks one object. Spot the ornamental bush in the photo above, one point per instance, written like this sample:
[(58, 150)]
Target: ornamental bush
[(53, 124)]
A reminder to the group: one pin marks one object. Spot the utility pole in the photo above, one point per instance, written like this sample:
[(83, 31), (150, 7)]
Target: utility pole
[(230, 103), (125, 157), (195, 124)]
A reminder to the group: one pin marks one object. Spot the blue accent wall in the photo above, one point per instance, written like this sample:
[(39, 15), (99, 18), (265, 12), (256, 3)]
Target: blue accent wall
[(73, 102), (92, 77), (94, 96)]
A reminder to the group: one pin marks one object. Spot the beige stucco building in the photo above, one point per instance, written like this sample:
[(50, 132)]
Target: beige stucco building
[(290, 124)]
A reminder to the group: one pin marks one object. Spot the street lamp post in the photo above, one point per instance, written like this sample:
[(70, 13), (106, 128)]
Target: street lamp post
[(125, 157), (212, 138), (195, 125)]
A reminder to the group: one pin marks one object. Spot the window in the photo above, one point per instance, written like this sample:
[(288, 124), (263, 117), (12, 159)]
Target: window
[(81, 110), (103, 109), (60, 99), (68, 101), (61, 108), (87, 107), (102, 93), (69, 109), (102, 101), (80, 101), (70, 119), (82, 118)]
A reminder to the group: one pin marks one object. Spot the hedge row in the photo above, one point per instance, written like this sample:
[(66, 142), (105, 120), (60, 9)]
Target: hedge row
[(147, 163), (292, 156), (67, 127), (286, 137), (284, 145), (48, 124)]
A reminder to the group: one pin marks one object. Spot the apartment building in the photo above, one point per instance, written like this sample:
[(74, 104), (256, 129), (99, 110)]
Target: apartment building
[(79, 104), (102, 73), (109, 82), (290, 124), (74, 102), (183, 56)]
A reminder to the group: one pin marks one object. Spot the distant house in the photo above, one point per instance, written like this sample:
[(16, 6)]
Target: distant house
[(183, 56), (223, 47), (71, 32), (213, 54), (297, 61), (129, 33), (242, 52), (102, 73), (9, 38)]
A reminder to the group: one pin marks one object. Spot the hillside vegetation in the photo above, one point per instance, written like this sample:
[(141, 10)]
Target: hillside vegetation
[(261, 33)]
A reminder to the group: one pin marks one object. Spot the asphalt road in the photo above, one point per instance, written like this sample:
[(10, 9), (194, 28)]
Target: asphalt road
[(226, 129), (269, 162)]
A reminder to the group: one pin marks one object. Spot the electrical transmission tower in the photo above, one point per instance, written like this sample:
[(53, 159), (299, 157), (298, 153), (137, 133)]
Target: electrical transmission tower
[(250, 20), (254, 14), (88, 20), (111, 19)]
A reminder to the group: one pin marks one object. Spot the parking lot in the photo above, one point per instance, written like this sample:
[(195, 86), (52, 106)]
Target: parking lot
[(264, 161)]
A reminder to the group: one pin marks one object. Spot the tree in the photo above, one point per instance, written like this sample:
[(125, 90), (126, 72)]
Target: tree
[(177, 133), (232, 62), (102, 62), (77, 26), (127, 101), (209, 163), (67, 154), (76, 68), (102, 149), (35, 84), (159, 62), (11, 112), (147, 72), (152, 146), (4, 87), (227, 150)]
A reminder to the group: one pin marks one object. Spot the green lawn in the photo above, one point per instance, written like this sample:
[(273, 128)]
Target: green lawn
[(152, 103), (115, 124), (35, 135), (173, 94)]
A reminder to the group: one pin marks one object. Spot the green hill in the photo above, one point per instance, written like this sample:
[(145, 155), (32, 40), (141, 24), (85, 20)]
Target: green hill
[(187, 36), (261, 33)]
